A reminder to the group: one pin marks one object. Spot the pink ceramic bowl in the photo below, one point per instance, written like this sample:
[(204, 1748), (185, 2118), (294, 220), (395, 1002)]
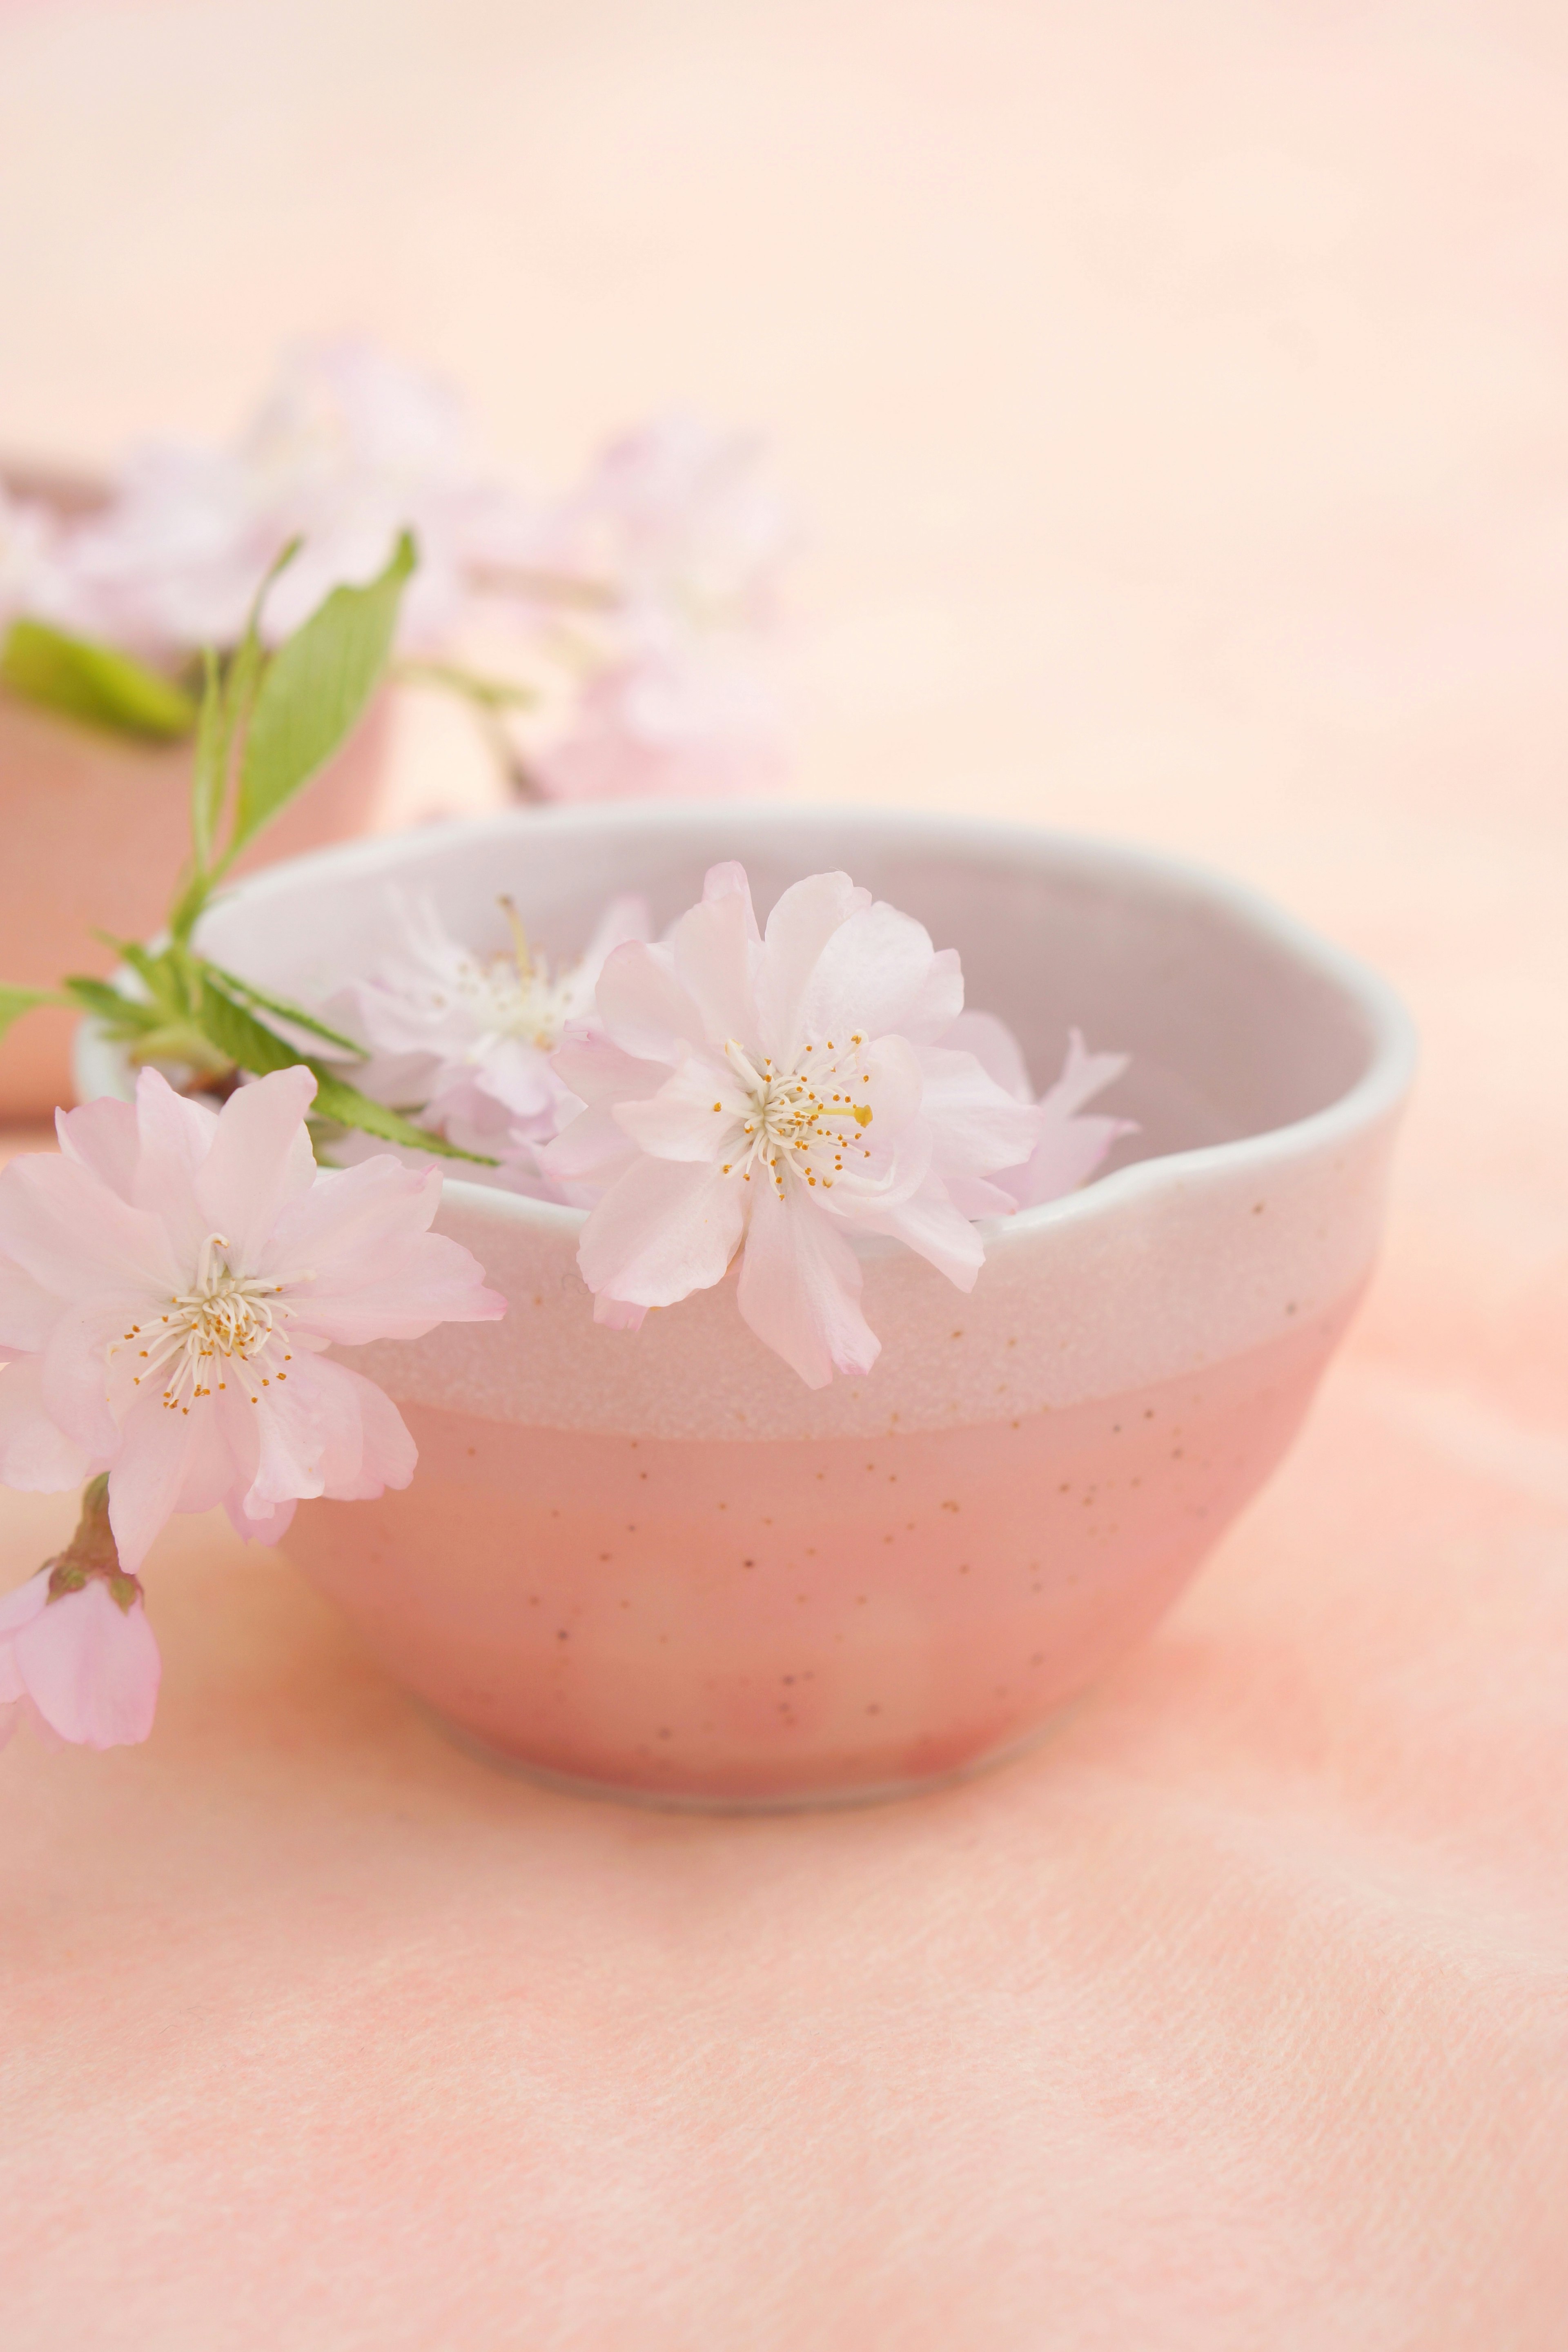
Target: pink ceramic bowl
[(655, 1563), (94, 830)]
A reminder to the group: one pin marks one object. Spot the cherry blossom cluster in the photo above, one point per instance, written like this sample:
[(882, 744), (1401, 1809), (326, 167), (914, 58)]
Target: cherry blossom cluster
[(728, 1098), (734, 1097), (629, 615)]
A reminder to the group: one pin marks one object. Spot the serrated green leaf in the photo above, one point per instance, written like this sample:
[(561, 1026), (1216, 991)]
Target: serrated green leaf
[(14, 1001), (248, 992), (163, 975), (337, 1101), (95, 683), (124, 1016), (252, 1046), (238, 1034), (313, 692)]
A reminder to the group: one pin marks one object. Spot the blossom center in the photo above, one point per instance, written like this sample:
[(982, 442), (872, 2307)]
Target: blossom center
[(516, 996), (806, 1122), (226, 1326), (527, 1006)]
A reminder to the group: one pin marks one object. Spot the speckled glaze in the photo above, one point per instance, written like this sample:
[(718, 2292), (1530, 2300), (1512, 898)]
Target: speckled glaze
[(655, 1564)]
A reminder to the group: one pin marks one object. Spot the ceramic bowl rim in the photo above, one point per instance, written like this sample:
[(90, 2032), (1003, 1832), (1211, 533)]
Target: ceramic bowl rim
[(1374, 1096)]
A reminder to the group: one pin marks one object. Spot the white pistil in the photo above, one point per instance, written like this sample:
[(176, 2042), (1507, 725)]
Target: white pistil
[(800, 1120), (516, 996), (226, 1321)]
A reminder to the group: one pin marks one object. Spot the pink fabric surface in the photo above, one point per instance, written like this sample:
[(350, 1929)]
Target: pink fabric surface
[(1179, 396)]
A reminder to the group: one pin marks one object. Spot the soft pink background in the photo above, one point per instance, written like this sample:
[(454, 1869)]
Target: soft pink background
[(1178, 394)]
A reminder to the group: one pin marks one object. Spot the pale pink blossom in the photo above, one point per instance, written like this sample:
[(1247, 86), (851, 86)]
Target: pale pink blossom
[(662, 573), (1071, 1146), (82, 1661), (466, 1039), (676, 523), (349, 449), (169, 1284), (771, 1098), (697, 721)]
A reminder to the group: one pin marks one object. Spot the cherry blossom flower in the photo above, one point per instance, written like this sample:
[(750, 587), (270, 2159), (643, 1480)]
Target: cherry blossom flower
[(770, 1097), (1070, 1146), (349, 449), (76, 1652), (694, 722), (470, 1037), (168, 1285), (665, 564), (675, 520)]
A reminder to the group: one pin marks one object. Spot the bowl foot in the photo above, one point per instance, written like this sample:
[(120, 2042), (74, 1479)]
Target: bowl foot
[(803, 1801)]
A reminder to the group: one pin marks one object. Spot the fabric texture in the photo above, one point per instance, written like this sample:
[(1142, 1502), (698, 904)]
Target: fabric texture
[(1180, 396)]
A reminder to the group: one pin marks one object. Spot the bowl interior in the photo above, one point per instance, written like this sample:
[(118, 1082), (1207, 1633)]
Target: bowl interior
[(1236, 1022)]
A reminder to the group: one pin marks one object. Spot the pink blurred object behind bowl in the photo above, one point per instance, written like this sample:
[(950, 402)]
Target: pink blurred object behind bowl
[(95, 830), (657, 1565)]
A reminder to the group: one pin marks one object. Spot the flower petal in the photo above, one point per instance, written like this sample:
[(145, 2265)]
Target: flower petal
[(91, 1668), (1084, 1075), (626, 918), (27, 1312), (102, 1136), (616, 1316), (368, 1446), (267, 1524), (937, 1232), (803, 921), (664, 1229), (75, 1237), (717, 950), (976, 1126), (145, 1481), (938, 1003), (696, 1115), (995, 1049), (175, 1136), (799, 1290), (592, 1145), (259, 1157), (360, 1264), (868, 975), (36, 1456), (80, 1386), (643, 1005), (19, 1608), (1066, 1156), (601, 1072)]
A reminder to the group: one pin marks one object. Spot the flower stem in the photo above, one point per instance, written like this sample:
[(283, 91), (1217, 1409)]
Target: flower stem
[(92, 1551)]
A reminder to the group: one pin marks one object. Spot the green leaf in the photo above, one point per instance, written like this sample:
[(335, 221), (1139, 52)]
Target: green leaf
[(95, 683), (165, 976), (228, 698), (210, 772), (14, 1001), (238, 1034), (246, 1042), (335, 1099), (124, 1016), (249, 993), (313, 694)]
